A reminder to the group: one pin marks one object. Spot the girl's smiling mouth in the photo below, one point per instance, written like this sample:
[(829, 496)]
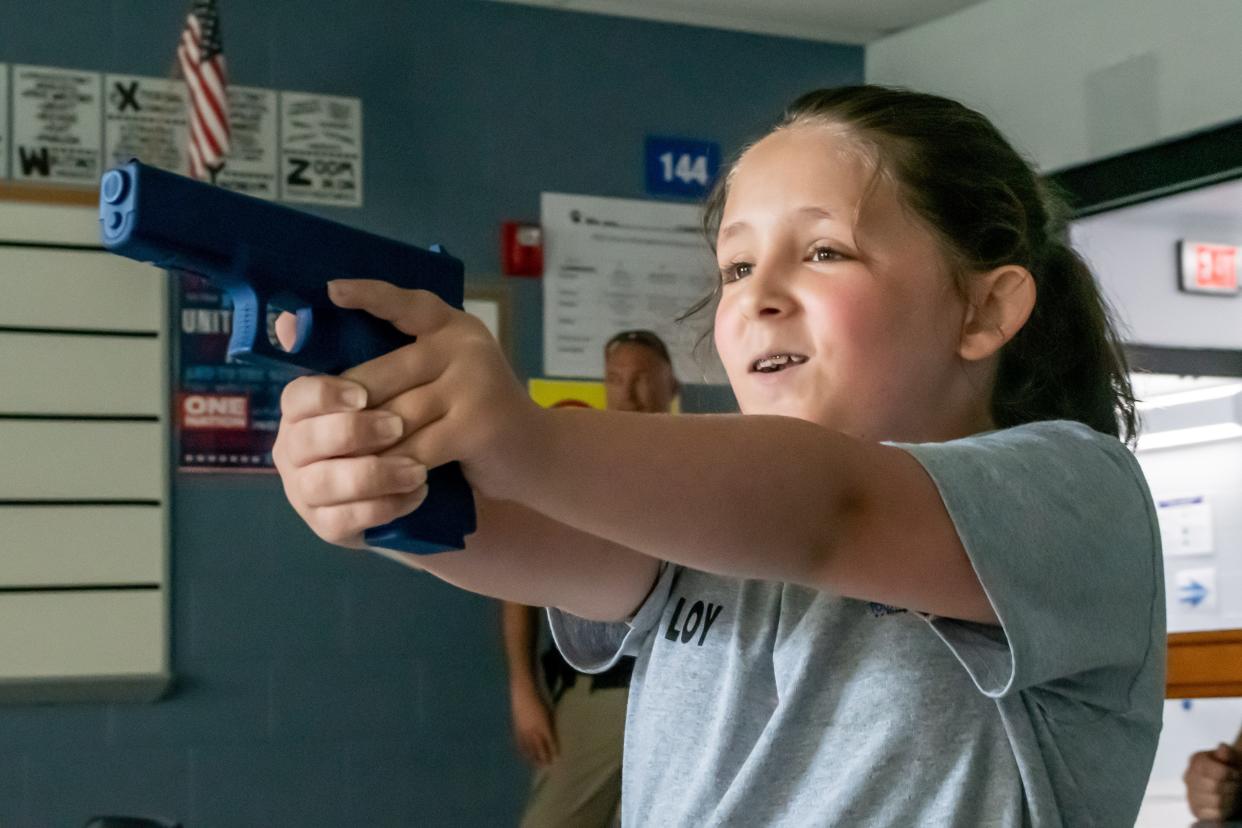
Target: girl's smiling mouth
[(777, 362)]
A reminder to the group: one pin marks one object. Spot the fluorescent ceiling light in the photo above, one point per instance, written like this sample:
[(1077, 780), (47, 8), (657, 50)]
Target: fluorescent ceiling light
[(1188, 436), (1196, 415), (1194, 395)]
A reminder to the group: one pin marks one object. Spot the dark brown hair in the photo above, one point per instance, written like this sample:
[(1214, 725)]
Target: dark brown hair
[(989, 208)]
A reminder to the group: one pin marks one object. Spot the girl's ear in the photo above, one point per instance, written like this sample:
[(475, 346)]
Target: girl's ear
[(1000, 302)]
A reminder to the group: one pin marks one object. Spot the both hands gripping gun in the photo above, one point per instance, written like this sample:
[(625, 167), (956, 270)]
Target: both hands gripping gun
[(270, 257)]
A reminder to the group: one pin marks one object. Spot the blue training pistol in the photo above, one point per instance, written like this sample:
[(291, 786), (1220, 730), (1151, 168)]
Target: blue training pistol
[(269, 258)]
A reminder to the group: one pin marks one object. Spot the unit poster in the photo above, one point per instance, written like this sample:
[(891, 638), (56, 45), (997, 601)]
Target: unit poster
[(147, 119), (251, 166), (616, 264), (57, 115), (227, 413), (321, 149), (4, 120)]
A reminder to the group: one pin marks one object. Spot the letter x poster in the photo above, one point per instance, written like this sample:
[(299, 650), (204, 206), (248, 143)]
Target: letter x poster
[(227, 413)]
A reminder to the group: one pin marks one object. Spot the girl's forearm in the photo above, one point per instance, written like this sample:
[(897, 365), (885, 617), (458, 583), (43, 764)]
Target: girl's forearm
[(745, 496), (521, 556)]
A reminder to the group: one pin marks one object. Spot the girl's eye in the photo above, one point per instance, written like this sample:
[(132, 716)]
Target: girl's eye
[(736, 270), (820, 253)]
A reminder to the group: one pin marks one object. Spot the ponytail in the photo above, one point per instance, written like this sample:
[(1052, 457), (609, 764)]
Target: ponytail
[(1066, 362)]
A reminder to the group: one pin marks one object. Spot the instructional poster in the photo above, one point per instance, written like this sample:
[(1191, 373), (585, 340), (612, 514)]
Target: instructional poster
[(618, 264), (321, 149), (146, 118), (4, 120), (251, 166), (57, 117), (227, 413)]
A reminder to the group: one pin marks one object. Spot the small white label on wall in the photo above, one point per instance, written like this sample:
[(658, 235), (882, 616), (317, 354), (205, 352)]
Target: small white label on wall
[(321, 149), (57, 119), (1186, 525), (251, 166), (145, 118)]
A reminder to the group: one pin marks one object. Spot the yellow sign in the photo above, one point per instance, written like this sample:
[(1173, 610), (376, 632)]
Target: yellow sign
[(561, 393)]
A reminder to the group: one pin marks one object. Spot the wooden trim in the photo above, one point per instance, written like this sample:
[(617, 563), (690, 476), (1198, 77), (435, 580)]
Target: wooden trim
[(1203, 664), (48, 194)]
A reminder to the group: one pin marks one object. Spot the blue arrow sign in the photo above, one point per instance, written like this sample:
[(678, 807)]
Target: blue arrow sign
[(1193, 593)]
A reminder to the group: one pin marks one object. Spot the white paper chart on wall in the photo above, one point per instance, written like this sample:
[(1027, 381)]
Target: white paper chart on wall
[(57, 126), (616, 264), (321, 149), (252, 167), (146, 118)]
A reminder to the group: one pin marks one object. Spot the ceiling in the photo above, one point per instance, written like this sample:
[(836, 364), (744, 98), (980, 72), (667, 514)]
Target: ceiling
[(835, 21)]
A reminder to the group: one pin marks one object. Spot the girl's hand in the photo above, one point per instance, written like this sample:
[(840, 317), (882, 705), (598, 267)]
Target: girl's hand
[(453, 389), (328, 454)]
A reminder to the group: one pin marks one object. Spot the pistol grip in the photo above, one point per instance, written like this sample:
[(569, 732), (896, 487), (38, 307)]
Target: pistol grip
[(440, 524)]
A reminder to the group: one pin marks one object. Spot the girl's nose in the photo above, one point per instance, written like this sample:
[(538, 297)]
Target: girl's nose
[(767, 293)]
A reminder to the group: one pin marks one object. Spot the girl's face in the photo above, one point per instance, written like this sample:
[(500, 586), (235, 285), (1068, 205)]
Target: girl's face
[(836, 309)]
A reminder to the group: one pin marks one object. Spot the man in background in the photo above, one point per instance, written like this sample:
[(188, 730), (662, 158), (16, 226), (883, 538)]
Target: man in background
[(571, 726)]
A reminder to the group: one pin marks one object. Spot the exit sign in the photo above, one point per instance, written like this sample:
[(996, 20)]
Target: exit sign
[(1209, 268)]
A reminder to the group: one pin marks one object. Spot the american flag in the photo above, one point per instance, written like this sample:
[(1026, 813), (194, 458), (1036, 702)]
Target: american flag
[(201, 55)]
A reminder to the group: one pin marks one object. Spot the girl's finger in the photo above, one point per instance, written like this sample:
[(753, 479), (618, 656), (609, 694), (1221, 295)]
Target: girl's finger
[(287, 330), (408, 367), (320, 394), (344, 524), (350, 479), (418, 409), (345, 434), (412, 311), (430, 443)]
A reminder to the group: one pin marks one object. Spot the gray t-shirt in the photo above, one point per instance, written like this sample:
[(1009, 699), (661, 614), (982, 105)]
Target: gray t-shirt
[(757, 703)]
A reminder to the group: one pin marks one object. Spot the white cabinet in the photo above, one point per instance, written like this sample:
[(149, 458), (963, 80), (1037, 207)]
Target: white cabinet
[(84, 463)]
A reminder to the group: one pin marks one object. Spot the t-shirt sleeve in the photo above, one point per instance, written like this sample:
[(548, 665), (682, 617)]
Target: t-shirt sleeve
[(595, 646), (1059, 526)]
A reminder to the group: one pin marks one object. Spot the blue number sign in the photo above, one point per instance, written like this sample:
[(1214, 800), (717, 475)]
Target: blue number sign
[(681, 167)]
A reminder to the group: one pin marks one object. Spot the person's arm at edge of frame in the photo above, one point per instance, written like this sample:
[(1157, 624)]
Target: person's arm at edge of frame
[(533, 728)]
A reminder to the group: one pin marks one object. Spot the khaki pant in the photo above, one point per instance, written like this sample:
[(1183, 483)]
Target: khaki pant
[(582, 788)]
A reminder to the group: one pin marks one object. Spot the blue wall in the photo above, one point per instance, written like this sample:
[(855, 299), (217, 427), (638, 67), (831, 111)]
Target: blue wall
[(317, 686)]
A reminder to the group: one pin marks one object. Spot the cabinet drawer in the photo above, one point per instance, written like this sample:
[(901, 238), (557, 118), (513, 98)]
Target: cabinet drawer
[(79, 290), (51, 374), (51, 546), (74, 634), (22, 221), (82, 460)]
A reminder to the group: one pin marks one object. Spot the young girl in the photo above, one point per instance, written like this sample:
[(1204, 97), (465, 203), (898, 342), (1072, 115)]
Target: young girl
[(916, 582)]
